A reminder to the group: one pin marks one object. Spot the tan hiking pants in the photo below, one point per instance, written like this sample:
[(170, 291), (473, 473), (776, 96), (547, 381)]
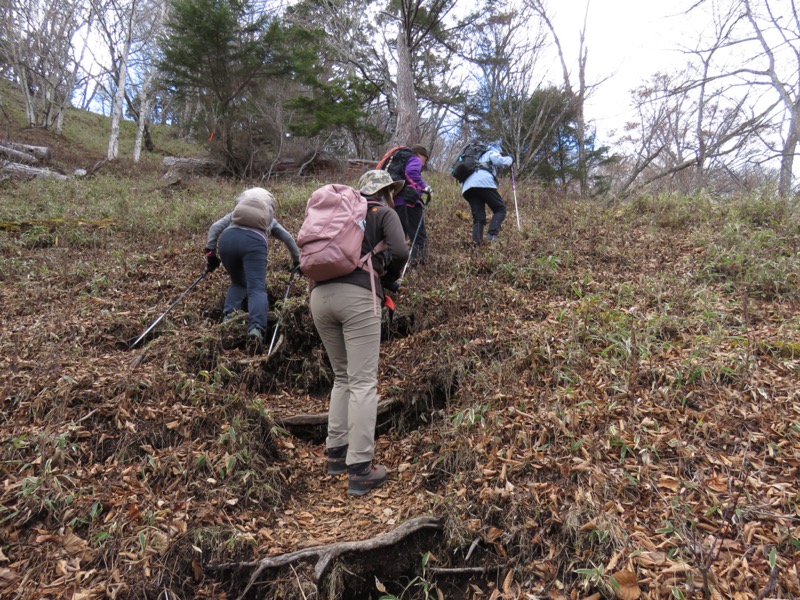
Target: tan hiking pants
[(345, 320)]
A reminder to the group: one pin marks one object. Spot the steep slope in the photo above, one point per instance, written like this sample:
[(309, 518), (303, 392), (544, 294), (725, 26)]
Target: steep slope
[(601, 404)]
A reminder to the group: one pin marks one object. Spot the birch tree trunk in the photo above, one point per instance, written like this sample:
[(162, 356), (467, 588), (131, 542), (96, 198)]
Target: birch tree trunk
[(787, 155), (144, 115), (116, 109), (153, 28), (73, 77), (580, 120), (119, 96), (30, 100), (36, 41)]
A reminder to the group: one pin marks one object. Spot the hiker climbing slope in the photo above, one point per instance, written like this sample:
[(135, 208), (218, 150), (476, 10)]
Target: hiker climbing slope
[(407, 164), (241, 238), (347, 317), (476, 170)]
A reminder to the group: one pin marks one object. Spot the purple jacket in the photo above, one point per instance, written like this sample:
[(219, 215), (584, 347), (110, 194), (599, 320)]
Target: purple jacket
[(410, 195)]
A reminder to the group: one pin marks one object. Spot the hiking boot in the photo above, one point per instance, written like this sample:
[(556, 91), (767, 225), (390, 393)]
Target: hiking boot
[(257, 336), (492, 237), (336, 460), (364, 477)]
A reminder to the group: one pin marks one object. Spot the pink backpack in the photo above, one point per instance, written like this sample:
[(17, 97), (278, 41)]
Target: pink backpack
[(332, 233)]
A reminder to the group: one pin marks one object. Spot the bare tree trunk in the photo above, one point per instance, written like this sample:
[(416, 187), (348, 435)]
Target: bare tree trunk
[(30, 100), (144, 115), (116, 109), (119, 96), (787, 155), (578, 100), (73, 77), (785, 89), (407, 131), (35, 43), (580, 121)]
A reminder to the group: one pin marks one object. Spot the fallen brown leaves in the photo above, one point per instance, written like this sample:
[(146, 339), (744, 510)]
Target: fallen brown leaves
[(601, 427)]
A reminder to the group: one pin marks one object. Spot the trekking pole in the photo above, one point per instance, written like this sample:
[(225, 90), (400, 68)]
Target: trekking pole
[(419, 226), (171, 306), (283, 309), (516, 206)]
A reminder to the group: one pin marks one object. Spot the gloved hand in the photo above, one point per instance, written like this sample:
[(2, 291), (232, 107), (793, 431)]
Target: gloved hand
[(425, 196), (212, 260)]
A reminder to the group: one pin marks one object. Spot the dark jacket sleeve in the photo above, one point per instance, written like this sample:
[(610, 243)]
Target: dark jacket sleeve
[(396, 253)]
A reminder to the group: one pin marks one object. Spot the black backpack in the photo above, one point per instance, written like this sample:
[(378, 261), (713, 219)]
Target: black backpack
[(468, 161), (394, 162)]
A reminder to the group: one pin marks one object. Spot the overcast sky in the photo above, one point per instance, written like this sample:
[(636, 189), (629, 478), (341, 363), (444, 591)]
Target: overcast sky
[(628, 41)]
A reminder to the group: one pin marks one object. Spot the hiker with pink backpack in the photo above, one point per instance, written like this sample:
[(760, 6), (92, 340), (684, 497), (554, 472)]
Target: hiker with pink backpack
[(352, 244)]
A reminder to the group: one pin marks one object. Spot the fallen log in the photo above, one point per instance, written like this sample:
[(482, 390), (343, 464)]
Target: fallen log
[(17, 156), (53, 223), (323, 556), (191, 166), (20, 171), (42, 153)]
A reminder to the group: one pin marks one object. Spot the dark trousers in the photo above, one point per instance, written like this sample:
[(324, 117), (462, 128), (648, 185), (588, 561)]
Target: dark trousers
[(244, 255), (479, 199), (413, 220)]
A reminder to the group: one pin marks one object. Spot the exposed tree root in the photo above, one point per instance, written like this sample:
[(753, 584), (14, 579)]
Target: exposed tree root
[(324, 556), (456, 571)]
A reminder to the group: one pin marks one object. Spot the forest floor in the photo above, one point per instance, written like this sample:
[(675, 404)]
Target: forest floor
[(602, 404)]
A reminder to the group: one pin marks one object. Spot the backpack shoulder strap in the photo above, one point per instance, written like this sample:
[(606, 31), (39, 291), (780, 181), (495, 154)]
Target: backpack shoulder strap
[(366, 263)]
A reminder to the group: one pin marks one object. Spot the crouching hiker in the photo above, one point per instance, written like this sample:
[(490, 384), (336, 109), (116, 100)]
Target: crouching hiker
[(346, 310), (241, 239)]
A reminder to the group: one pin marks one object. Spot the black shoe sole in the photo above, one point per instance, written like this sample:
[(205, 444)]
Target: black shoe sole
[(358, 490)]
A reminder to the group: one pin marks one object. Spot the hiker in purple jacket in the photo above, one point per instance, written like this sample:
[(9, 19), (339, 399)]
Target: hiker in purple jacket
[(344, 314), (409, 203)]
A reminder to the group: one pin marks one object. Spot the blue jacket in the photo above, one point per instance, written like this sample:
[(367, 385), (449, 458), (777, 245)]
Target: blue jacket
[(481, 178)]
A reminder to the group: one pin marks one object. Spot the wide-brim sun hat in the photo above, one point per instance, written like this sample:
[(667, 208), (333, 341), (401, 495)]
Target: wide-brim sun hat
[(374, 181)]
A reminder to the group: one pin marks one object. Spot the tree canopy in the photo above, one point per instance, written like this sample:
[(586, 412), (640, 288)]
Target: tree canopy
[(257, 81)]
